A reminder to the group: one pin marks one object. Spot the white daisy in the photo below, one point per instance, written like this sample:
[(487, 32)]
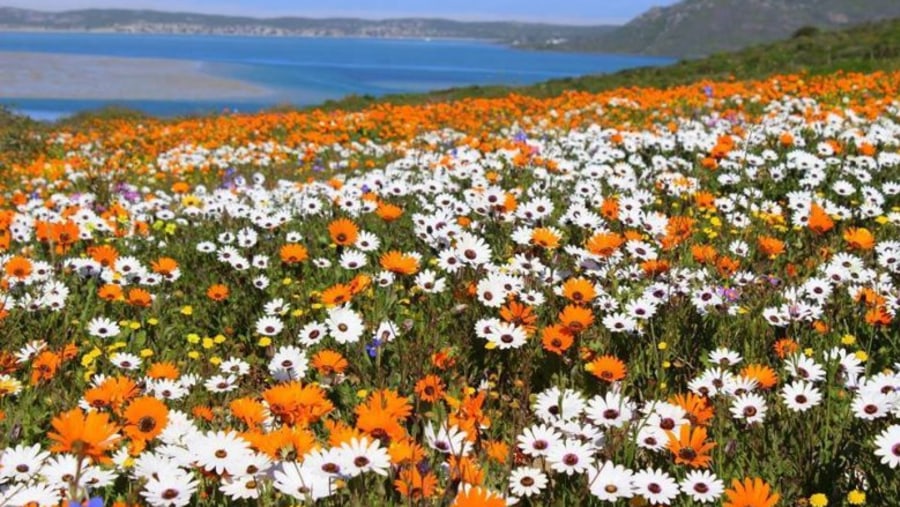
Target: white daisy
[(570, 457), (888, 446), (702, 486), (344, 324), (269, 326), (610, 482), (800, 396), (527, 481), (656, 486)]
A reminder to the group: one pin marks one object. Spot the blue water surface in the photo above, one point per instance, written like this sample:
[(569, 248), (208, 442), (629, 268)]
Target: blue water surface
[(306, 71)]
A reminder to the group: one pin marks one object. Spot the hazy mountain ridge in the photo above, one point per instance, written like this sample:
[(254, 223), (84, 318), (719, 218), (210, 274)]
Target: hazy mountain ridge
[(147, 21), (700, 27)]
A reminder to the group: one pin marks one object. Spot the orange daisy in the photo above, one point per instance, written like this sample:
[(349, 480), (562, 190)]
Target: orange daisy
[(343, 232), (556, 339), (690, 446), (764, 375), (576, 318), (293, 253), (607, 368), (217, 292), (750, 493), (430, 388), (89, 435), (146, 417), (400, 263)]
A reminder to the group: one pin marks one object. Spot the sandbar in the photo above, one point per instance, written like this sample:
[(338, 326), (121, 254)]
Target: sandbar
[(31, 75)]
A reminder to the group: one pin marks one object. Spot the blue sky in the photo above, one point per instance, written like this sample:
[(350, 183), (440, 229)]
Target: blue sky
[(579, 11)]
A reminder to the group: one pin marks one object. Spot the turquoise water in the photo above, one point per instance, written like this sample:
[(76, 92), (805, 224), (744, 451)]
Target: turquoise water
[(306, 71)]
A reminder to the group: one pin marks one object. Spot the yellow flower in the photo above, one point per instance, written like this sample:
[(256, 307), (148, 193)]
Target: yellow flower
[(208, 343), (219, 338), (848, 339), (287, 281), (115, 346), (808, 351), (818, 500), (265, 341), (362, 393), (146, 353), (151, 321), (191, 200), (662, 345), (216, 360), (666, 364), (193, 354), (856, 497), (187, 310), (134, 325), (193, 338), (9, 385), (861, 355), (170, 228), (297, 313)]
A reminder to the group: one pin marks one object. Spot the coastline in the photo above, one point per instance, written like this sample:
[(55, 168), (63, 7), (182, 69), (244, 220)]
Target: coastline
[(34, 75), (27, 30)]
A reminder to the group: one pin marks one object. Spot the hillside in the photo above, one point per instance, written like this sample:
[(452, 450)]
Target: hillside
[(148, 21), (863, 48), (694, 28)]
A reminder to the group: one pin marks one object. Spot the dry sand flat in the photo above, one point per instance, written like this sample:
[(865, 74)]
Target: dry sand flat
[(57, 76)]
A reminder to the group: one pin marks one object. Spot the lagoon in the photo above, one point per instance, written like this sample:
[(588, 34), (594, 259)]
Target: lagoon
[(252, 73)]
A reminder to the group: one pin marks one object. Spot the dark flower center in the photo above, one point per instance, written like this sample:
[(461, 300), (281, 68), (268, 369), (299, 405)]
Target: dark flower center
[(146, 424), (687, 453)]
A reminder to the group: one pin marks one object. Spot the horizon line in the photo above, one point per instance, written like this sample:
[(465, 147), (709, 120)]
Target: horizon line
[(346, 16)]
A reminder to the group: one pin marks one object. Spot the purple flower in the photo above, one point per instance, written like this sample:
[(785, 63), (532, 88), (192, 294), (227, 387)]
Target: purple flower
[(372, 348)]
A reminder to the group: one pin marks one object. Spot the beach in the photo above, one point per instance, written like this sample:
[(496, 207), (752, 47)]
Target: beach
[(46, 75)]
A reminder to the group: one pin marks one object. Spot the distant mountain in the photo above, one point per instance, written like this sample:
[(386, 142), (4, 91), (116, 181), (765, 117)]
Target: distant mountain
[(147, 21), (701, 27)]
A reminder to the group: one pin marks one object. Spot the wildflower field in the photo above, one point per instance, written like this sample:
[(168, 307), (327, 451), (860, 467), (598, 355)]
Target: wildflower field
[(638, 297)]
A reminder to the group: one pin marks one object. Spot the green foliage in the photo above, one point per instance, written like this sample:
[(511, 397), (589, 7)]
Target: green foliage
[(20, 139), (703, 27)]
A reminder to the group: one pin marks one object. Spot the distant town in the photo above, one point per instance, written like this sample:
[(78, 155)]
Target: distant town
[(152, 22)]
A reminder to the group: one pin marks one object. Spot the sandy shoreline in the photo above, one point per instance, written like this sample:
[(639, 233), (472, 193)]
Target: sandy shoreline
[(27, 75)]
